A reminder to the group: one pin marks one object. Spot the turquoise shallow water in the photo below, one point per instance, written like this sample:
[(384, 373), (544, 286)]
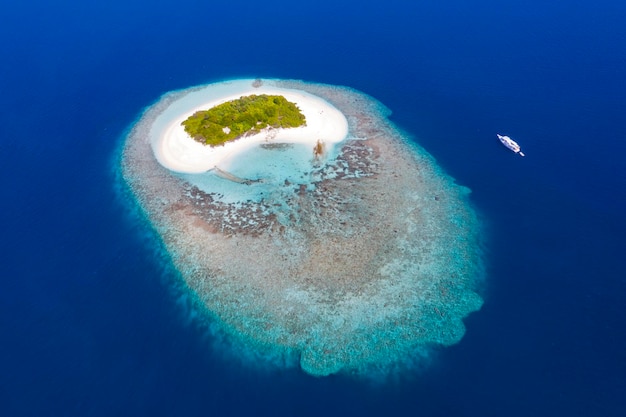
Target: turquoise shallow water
[(89, 325)]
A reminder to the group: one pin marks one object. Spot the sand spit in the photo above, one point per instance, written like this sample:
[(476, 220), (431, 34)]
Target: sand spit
[(363, 264)]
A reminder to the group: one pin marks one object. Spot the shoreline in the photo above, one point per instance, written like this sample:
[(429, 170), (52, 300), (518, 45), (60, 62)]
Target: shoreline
[(178, 152)]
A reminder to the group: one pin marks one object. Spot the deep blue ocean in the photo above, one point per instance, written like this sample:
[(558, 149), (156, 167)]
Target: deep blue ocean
[(90, 322)]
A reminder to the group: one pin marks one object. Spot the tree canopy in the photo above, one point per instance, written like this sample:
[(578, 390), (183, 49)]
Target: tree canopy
[(245, 115)]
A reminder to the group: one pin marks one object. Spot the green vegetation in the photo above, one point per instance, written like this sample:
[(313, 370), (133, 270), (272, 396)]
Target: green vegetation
[(246, 115)]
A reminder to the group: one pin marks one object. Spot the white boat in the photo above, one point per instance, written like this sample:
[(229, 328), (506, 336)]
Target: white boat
[(511, 144)]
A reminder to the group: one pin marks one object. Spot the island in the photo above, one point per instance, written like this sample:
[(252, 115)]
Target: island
[(244, 116), (335, 244)]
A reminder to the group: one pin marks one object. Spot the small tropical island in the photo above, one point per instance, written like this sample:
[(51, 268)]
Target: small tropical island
[(306, 227), (233, 130), (243, 116)]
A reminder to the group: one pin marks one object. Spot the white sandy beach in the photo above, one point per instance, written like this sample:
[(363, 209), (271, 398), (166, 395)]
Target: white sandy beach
[(178, 152)]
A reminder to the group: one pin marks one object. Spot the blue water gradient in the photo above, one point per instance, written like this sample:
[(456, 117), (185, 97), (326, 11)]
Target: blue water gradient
[(91, 320)]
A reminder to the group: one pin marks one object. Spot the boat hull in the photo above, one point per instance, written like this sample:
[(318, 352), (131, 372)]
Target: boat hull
[(510, 144)]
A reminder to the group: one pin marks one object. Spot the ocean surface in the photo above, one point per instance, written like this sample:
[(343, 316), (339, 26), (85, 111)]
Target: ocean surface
[(92, 322)]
